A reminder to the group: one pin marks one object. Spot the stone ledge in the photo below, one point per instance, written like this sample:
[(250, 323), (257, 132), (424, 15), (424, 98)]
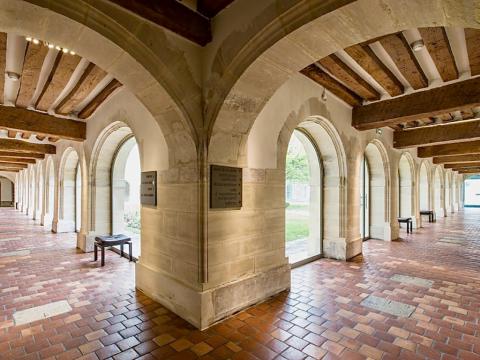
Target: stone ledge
[(204, 308), (225, 300), (62, 226)]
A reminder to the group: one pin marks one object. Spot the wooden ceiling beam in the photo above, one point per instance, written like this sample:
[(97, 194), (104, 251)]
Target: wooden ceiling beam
[(335, 66), (366, 58), (17, 160), (13, 165), (27, 147), (85, 85), (463, 148), (172, 15), (456, 159), (472, 37), (3, 58), (437, 134), (436, 41), (93, 105), (399, 50), (435, 102), (18, 154), (34, 58), (61, 73), (321, 77), (210, 8), (468, 171), (474, 164), (23, 120)]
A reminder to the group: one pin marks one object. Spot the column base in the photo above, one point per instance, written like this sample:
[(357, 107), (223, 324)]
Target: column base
[(440, 212), (354, 248), (416, 222), (204, 308), (63, 226), (47, 221)]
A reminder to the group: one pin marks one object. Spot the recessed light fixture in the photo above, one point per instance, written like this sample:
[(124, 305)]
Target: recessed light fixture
[(417, 45), (324, 95), (50, 45), (13, 76), (378, 131)]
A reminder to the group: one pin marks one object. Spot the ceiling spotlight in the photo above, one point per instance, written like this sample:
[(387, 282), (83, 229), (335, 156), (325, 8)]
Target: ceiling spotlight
[(36, 41), (417, 45), (65, 50), (72, 52), (378, 131), (324, 95), (58, 48), (51, 46), (13, 76), (28, 38)]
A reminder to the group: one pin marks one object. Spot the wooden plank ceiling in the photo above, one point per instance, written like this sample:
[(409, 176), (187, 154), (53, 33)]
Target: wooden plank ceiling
[(57, 92), (421, 92)]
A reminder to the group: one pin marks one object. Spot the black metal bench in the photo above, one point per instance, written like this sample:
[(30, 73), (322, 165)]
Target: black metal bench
[(408, 221), (109, 241), (431, 215)]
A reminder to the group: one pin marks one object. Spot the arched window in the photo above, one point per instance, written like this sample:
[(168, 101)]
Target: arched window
[(126, 192), (50, 193), (424, 189), (78, 198), (437, 197), (31, 195), (364, 199), (405, 188), (303, 199), (69, 199), (6, 192), (376, 190)]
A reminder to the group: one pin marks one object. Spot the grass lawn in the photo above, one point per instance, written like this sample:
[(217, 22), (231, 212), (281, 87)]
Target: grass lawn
[(298, 207), (296, 229)]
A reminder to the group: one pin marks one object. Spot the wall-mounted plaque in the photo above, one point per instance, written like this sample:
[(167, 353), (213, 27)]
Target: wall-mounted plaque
[(148, 188), (225, 187)]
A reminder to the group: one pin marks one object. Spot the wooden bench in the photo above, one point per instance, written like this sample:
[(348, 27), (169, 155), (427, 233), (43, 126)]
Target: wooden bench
[(430, 213), (408, 221), (109, 241)]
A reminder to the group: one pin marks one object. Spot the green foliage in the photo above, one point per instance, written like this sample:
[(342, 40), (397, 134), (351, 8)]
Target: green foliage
[(132, 221), (297, 167), (296, 229)]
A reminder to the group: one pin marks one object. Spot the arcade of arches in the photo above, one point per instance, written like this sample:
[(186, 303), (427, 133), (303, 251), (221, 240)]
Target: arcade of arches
[(327, 122)]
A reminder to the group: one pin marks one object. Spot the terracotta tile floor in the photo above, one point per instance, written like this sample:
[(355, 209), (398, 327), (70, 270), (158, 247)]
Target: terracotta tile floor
[(321, 317)]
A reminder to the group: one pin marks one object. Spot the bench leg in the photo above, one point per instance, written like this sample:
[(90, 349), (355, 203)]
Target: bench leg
[(121, 250), (95, 254), (130, 251), (103, 255)]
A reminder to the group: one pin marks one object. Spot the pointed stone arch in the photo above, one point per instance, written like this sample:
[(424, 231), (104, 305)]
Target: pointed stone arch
[(407, 187), (379, 167)]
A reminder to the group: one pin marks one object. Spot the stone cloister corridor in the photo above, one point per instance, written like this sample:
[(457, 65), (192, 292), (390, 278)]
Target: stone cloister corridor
[(320, 317)]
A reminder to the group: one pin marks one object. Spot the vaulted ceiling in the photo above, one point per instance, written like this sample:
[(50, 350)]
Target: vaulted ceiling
[(423, 83)]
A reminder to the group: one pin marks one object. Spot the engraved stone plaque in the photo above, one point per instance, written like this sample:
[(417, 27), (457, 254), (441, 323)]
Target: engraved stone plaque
[(225, 187), (148, 188)]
